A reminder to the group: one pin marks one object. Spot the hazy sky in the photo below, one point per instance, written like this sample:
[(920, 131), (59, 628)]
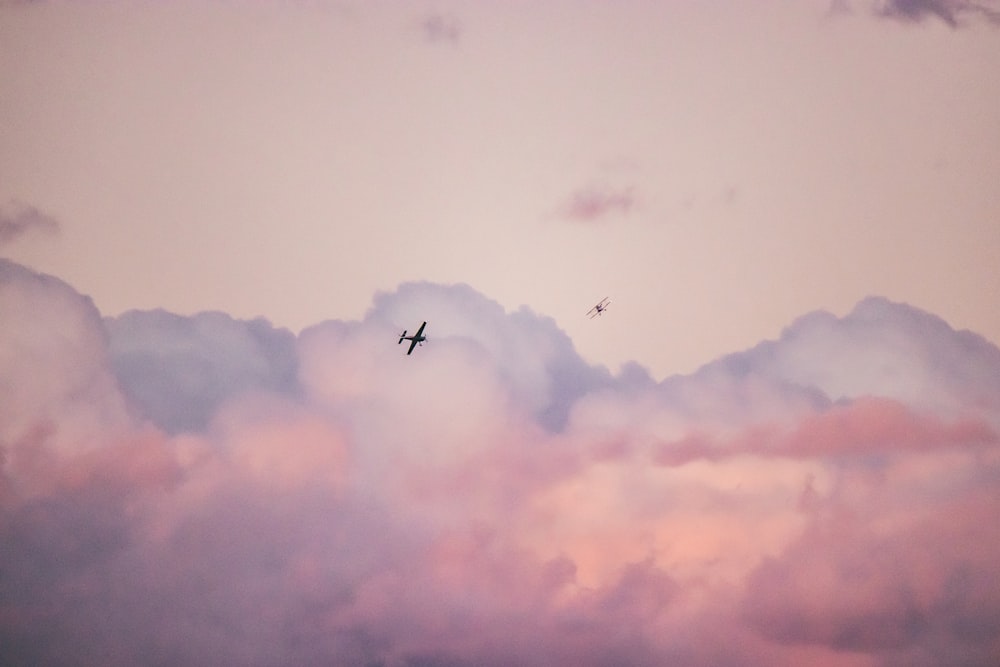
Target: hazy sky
[(716, 168), (216, 217)]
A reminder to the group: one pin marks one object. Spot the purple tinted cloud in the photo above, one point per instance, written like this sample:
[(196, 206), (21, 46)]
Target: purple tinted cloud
[(18, 219), (919, 593), (438, 28), (951, 12), (178, 370), (189, 490)]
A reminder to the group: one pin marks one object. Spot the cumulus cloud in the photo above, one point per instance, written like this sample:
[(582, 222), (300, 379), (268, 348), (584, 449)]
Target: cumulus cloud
[(17, 219), (916, 592), (179, 370), (191, 490), (55, 375), (871, 351)]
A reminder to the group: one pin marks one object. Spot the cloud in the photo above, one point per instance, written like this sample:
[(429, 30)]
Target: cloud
[(919, 592), (55, 375), (915, 10), (950, 12), (594, 204), (880, 348), (863, 427), (179, 370), (201, 489), (441, 28), (17, 219)]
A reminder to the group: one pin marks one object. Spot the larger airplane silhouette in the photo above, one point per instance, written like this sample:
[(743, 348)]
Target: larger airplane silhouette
[(416, 339)]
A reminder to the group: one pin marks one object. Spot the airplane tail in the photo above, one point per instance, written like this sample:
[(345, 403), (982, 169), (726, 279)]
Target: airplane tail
[(402, 337)]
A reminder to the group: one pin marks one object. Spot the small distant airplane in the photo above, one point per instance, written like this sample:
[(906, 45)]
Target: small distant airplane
[(599, 308), (416, 339)]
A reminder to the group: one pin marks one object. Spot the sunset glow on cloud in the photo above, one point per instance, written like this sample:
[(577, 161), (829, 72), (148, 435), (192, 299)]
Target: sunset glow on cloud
[(779, 446), (206, 490)]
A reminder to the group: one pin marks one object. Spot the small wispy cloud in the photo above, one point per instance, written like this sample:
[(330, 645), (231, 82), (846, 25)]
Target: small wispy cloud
[(441, 28), (17, 219), (598, 203), (951, 12)]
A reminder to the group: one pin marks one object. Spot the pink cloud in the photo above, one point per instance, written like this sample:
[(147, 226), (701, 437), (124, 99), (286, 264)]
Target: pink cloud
[(492, 500), (872, 424), (906, 590), (868, 425), (595, 204)]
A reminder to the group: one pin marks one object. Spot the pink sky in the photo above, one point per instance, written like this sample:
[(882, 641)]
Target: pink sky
[(716, 168), (779, 447)]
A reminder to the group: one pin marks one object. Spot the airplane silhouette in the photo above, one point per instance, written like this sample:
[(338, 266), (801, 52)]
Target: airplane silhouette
[(416, 339)]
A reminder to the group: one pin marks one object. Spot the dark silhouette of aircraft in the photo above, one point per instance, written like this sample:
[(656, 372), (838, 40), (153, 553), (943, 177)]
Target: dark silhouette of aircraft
[(599, 308), (416, 339)]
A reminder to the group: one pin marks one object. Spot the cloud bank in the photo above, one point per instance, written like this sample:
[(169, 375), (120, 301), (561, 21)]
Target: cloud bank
[(204, 490)]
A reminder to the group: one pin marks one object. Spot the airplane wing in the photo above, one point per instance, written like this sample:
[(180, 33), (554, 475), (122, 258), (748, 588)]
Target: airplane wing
[(417, 337), (596, 310)]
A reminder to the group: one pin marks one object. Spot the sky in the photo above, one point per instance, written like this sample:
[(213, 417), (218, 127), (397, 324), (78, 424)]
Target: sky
[(779, 446), (715, 168)]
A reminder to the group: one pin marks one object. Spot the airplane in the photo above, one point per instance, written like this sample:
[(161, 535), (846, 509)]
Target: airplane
[(599, 308), (416, 339)]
